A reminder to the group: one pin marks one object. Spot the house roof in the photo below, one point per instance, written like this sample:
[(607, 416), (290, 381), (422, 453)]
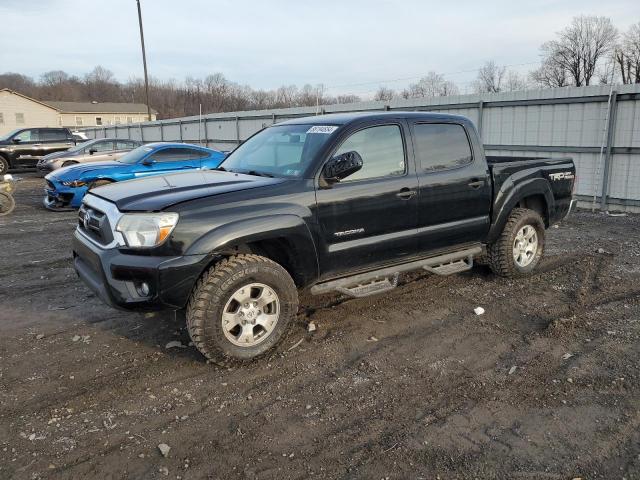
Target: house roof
[(87, 107), (98, 107)]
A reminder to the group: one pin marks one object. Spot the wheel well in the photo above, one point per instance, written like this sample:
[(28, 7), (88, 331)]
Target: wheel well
[(281, 251), (538, 204), (5, 157)]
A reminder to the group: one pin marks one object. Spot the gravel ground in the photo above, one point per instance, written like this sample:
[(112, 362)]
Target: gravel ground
[(409, 384)]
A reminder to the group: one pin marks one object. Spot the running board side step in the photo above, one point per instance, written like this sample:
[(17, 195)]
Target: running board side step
[(377, 281)]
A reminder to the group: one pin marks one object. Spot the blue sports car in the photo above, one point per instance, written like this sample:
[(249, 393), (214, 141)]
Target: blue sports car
[(66, 187)]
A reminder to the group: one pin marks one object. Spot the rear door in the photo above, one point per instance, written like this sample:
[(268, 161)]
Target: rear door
[(54, 140), (171, 159), (454, 202), (370, 217)]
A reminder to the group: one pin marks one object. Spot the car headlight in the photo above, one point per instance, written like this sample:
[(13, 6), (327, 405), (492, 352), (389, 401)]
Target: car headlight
[(145, 230), (74, 183)]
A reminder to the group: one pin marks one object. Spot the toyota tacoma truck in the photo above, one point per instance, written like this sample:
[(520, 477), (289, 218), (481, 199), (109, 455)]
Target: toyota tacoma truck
[(335, 203)]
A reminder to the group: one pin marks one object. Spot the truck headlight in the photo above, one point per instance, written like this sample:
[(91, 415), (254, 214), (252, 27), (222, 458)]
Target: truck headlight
[(145, 230)]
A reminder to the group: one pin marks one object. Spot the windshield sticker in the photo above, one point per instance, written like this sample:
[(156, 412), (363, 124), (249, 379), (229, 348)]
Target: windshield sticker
[(326, 129)]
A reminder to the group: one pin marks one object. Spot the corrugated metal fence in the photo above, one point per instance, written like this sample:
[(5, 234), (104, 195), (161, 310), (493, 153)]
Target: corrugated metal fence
[(597, 126)]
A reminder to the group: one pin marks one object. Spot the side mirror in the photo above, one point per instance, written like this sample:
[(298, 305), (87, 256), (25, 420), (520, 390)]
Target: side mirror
[(92, 151), (16, 140), (341, 166), (148, 161)]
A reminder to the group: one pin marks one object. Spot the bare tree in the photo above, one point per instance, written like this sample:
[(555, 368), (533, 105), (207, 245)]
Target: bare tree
[(627, 55), (551, 74), (18, 82), (581, 46), (348, 99), (431, 85), (384, 94), (514, 82), (490, 78)]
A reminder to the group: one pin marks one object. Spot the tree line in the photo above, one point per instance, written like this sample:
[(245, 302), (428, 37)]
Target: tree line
[(589, 50)]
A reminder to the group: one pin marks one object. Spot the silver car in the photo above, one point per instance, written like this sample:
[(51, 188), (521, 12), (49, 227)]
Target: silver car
[(98, 150)]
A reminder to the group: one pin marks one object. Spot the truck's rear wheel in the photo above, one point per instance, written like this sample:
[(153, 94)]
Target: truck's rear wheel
[(241, 308), (519, 248)]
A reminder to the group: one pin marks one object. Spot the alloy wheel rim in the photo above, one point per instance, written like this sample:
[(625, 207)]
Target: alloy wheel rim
[(250, 315), (525, 246)]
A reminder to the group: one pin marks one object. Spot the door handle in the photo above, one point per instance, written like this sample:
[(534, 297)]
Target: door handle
[(37, 144), (475, 183), (406, 193)]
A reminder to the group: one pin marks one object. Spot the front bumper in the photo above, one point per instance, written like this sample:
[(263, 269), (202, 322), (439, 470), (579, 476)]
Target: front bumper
[(46, 167), (60, 197), (116, 277)]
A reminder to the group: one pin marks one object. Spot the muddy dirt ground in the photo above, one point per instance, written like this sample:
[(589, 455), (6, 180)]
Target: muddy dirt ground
[(410, 384)]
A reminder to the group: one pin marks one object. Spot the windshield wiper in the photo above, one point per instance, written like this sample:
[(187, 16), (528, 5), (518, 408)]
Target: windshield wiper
[(222, 169), (259, 174)]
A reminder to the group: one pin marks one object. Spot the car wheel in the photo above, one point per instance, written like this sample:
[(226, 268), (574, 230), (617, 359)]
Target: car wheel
[(99, 183), (241, 308), (519, 248), (68, 163), (4, 165), (7, 204)]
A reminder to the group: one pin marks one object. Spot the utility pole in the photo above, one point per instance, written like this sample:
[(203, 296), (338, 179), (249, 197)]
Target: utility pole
[(144, 62)]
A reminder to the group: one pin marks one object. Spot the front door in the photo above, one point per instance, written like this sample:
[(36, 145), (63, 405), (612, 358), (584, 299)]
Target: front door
[(455, 187), (26, 147), (369, 218)]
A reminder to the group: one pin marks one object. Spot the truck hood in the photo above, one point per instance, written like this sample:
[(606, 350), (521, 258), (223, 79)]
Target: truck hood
[(161, 191)]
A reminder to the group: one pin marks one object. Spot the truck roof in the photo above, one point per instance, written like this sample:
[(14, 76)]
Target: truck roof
[(348, 117)]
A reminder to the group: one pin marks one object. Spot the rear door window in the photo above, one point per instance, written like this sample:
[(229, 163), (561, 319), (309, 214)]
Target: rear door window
[(441, 146), (53, 135)]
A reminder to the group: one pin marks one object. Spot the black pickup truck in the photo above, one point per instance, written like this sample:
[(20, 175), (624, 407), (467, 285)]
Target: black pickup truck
[(343, 202)]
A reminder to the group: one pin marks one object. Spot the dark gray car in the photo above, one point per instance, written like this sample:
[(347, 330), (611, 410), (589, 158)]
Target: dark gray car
[(97, 150)]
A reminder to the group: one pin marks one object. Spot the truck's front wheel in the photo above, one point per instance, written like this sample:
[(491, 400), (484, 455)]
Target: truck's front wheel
[(241, 308), (519, 248)]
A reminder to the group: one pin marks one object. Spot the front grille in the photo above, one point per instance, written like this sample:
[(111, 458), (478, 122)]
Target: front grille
[(95, 225)]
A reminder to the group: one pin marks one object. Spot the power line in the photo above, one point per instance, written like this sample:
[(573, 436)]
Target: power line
[(402, 79)]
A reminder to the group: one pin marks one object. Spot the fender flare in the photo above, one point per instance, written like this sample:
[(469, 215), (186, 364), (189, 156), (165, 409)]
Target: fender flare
[(511, 194), (288, 226)]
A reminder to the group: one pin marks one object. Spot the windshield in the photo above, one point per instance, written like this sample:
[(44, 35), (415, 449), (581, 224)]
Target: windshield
[(280, 151), (135, 155)]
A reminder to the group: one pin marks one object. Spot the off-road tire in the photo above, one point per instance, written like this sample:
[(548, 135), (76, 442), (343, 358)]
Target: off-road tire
[(500, 252), (214, 289), (4, 165), (7, 204), (99, 183)]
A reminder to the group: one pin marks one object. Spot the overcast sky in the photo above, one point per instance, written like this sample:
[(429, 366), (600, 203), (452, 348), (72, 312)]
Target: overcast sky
[(272, 42)]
